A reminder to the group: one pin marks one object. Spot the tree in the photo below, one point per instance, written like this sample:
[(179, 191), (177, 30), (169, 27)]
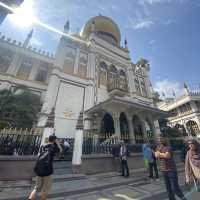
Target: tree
[(19, 107)]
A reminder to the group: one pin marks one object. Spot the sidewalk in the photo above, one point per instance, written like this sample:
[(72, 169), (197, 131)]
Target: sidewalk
[(109, 186)]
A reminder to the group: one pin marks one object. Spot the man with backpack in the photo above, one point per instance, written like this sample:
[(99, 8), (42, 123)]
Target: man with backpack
[(44, 168)]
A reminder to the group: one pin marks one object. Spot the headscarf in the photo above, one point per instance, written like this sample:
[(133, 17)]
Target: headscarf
[(192, 162)]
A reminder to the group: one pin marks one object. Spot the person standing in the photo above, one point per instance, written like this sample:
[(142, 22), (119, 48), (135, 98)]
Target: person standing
[(44, 168), (168, 168), (124, 153), (152, 163), (146, 163), (192, 164)]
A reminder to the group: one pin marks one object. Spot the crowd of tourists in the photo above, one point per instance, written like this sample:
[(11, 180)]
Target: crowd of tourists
[(161, 152)]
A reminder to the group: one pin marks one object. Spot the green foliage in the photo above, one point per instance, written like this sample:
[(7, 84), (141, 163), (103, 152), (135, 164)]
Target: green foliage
[(3, 124), (19, 107)]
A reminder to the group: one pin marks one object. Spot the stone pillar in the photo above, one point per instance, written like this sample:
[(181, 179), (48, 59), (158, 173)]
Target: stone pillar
[(78, 143), (157, 128), (76, 61), (130, 76), (91, 63), (89, 96), (116, 124), (51, 95), (129, 116)]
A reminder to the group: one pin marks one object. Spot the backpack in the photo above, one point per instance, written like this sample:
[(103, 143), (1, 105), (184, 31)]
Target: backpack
[(43, 166)]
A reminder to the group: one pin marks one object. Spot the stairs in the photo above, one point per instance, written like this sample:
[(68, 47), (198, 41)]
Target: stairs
[(62, 167)]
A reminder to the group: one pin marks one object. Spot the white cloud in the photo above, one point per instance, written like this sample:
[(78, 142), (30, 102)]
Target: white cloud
[(151, 42), (36, 42), (143, 24), (151, 2), (168, 87)]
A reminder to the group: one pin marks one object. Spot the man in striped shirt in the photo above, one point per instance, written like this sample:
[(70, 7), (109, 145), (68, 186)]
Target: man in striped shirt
[(168, 168)]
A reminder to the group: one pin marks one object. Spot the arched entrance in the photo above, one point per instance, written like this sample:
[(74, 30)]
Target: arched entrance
[(180, 129), (138, 129), (124, 129), (192, 127), (107, 125)]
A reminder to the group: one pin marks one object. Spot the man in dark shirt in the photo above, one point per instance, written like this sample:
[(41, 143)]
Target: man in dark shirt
[(168, 168), (43, 183)]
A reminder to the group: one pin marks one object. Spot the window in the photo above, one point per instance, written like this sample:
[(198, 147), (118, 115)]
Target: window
[(143, 88), (137, 87), (103, 74), (82, 65), (42, 72), (68, 66), (25, 68), (5, 59)]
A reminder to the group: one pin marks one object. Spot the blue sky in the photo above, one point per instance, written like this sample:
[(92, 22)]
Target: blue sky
[(166, 32)]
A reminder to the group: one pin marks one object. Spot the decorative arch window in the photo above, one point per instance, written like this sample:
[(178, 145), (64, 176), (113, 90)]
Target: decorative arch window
[(6, 57), (112, 75), (137, 86), (42, 72), (113, 69), (25, 68), (123, 80), (103, 68), (68, 66), (82, 65)]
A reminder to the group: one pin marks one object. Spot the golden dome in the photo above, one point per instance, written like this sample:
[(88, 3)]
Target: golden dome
[(105, 28)]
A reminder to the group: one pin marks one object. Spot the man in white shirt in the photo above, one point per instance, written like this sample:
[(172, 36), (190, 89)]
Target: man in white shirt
[(123, 156)]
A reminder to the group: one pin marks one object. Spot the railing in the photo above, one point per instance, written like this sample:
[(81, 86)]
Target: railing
[(117, 84), (20, 142), (97, 144)]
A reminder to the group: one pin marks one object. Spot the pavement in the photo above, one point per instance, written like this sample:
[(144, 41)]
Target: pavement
[(108, 186)]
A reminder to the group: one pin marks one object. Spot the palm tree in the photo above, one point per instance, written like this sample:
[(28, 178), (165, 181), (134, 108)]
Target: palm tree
[(19, 107)]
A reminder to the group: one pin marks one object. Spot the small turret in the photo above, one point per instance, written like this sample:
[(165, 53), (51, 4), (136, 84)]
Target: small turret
[(67, 27), (126, 44), (186, 89)]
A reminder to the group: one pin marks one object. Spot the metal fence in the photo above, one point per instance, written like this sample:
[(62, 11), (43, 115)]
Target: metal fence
[(97, 144), (20, 142)]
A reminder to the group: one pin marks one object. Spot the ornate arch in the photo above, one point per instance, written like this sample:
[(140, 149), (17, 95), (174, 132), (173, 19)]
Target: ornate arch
[(124, 127), (138, 129), (192, 127)]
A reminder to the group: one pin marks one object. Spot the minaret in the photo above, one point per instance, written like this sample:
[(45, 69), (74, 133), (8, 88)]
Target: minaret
[(186, 89), (67, 27), (126, 44), (27, 40)]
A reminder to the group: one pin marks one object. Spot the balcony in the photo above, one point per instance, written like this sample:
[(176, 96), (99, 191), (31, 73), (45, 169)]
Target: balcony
[(117, 87)]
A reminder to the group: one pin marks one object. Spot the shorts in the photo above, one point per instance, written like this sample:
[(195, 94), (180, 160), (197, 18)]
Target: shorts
[(43, 184)]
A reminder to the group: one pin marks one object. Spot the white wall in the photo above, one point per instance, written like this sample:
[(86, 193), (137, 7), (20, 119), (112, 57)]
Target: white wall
[(69, 100)]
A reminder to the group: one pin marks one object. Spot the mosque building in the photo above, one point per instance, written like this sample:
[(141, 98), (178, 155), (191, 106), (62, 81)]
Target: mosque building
[(90, 73)]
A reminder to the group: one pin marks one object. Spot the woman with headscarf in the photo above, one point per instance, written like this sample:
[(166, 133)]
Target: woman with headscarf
[(192, 163)]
